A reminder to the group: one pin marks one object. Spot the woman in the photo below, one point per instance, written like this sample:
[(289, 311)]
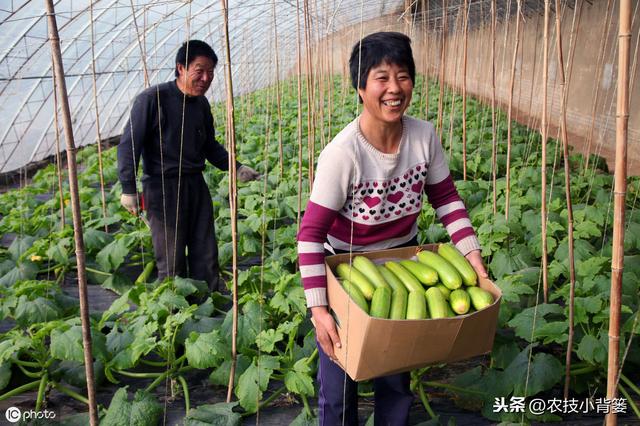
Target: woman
[(367, 195)]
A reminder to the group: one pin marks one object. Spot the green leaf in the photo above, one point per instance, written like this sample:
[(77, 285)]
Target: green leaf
[(503, 354), (187, 286), (254, 381), (556, 331), (96, 240), (592, 350), (524, 324), (220, 414), (5, 374), (60, 251), (298, 380), (143, 410), (144, 341), (586, 230), (112, 256), (20, 245), (267, 339), (172, 300), (513, 287), (303, 419), (29, 312), (24, 270), (67, 344), (585, 306), (118, 283), (220, 376), (544, 372), (119, 306), (204, 350)]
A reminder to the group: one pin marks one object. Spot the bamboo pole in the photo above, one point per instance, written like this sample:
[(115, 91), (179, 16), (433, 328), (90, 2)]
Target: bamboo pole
[(103, 197), (75, 211), (58, 156), (510, 107), (443, 47), (310, 94), (620, 191), (464, 88), (494, 141), (278, 100), (454, 84), (543, 172), (567, 185), (599, 67), (299, 70), (233, 195)]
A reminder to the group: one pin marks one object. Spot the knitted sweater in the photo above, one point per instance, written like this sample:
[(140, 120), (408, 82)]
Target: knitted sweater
[(363, 199)]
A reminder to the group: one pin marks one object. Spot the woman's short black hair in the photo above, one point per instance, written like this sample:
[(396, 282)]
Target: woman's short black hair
[(195, 48), (376, 48)]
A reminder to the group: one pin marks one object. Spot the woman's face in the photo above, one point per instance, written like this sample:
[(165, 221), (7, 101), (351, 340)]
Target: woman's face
[(388, 92)]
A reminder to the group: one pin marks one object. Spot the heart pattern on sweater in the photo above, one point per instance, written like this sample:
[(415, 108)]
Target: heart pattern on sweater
[(390, 199)]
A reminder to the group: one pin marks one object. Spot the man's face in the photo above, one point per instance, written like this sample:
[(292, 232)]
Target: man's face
[(196, 79), (388, 92)]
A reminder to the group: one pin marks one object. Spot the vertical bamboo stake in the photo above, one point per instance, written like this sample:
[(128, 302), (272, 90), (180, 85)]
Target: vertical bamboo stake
[(310, 94), (95, 101), (567, 184), (494, 142), (443, 46), (142, 49), (599, 66), (58, 156), (299, 113), (620, 191), (543, 172), (425, 61), (464, 89), (75, 211), (233, 195), (275, 36), (510, 108)]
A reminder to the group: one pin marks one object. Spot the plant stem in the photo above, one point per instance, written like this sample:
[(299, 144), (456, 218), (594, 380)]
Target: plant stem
[(70, 393), (425, 400), (185, 389), (31, 364), (41, 388), (28, 373), (453, 388), (97, 271), (366, 394), (630, 383), (633, 405), (583, 370), (305, 401), (312, 357), (157, 381), (20, 389), (154, 363), (138, 375)]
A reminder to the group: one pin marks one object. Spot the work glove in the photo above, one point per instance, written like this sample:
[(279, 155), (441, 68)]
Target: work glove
[(246, 174), (130, 202)]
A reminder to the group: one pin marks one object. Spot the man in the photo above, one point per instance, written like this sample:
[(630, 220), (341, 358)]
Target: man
[(171, 127)]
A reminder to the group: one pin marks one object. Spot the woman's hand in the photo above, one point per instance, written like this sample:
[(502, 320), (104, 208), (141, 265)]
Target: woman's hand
[(326, 332), (475, 259)]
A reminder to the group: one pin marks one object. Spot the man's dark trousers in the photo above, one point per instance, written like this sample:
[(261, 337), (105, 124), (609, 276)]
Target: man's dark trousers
[(188, 200)]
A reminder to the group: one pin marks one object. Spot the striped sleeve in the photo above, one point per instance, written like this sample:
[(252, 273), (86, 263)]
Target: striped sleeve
[(443, 196), (313, 231)]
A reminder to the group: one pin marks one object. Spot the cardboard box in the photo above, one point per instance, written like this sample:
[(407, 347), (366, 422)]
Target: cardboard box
[(374, 347)]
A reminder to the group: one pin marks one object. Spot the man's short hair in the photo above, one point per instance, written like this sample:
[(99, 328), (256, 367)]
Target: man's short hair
[(194, 48), (376, 48)]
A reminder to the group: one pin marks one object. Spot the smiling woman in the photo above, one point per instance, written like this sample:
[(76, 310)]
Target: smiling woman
[(367, 195)]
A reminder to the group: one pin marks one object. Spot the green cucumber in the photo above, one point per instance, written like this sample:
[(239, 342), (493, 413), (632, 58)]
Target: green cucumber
[(436, 302), (381, 302), (356, 295), (448, 274), (445, 291), (368, 268), (346, 272), (450, 312), (424, 274), (391, 279), (410, 282), (480, 298), (398, 305), (460, 301), (416, 305), (450, 253)]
